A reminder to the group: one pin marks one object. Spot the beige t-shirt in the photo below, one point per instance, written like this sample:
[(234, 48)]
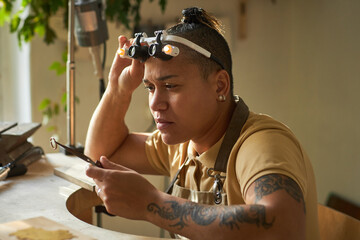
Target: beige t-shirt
[(265, 146)]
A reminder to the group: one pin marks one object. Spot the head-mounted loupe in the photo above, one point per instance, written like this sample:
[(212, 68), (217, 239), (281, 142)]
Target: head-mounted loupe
[(143, 47), (137, 50)]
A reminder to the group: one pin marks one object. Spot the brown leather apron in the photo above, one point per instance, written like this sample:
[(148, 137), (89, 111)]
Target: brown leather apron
[(217, 195)]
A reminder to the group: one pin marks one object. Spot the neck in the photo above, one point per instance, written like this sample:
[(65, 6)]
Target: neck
[(217, 130)]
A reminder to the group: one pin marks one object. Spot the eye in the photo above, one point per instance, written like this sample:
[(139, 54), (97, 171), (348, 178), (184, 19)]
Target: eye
[(170, 86), (150, 88)]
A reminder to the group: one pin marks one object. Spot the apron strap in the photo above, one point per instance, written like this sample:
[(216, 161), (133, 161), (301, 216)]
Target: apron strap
[(232, 134), (170, 187)]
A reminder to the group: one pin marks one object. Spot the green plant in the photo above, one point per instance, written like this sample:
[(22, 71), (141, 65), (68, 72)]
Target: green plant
[(59, 67), (33, 16), (51, 110)]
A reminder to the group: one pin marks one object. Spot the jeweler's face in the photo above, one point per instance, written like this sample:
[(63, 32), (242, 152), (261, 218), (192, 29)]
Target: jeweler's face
[(181, 101)]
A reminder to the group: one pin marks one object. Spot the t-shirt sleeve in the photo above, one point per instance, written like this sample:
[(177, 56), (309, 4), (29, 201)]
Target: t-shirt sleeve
[(271, 151), (158, 153)]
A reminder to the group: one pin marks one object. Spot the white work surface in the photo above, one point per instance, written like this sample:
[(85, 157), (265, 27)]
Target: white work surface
[(39, 193)]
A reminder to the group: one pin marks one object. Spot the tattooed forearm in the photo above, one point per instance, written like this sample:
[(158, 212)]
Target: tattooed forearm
[(274, 182), (199, 214), (205, 215), (255, 215)]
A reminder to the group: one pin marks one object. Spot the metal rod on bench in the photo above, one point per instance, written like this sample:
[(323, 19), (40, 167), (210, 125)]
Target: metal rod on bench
[(70, 78)]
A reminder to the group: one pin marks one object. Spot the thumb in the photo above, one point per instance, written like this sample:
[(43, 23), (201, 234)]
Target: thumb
[(107, 164)]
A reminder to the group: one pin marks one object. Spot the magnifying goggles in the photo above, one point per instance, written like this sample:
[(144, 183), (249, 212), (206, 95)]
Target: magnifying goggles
[(144, 47)]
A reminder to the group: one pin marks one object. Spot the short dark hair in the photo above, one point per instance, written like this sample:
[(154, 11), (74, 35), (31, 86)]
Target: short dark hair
[(206, 31)]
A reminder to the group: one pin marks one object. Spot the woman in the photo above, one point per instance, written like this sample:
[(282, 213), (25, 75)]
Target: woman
[(236, 174)]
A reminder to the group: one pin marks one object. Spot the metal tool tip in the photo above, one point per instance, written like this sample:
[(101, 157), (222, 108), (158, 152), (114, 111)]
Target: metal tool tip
[(53, 143)]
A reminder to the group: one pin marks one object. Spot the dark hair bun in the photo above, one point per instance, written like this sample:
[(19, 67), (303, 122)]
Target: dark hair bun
[(192, 15), (196, 17)]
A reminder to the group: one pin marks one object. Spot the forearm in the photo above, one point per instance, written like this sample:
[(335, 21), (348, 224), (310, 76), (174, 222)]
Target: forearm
[(197, 221), (107, 129)]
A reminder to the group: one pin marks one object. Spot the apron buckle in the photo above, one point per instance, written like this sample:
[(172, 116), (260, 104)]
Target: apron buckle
[(218, 185), (217, 188)]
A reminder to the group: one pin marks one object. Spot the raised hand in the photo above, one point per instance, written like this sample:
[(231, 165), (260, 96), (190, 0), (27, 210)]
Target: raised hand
[(125, 74)]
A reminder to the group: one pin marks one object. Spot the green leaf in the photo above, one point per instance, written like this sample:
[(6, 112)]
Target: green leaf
[(61, 70), (63, 98), (58, 67), (162, 4), (50, 35), (7, 5), (24, 3), (14, 23), (56, 109), (40, 29), (64, 56), (51, 128), (48, 112), (55, 65), (4, 16), (44, 104), (56, 5), (27, 31)]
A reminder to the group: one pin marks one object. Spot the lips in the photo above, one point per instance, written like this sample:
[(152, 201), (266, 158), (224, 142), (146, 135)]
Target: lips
[(161, 124)]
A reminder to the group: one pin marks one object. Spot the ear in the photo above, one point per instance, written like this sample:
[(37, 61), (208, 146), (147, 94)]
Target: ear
[(222, 82)]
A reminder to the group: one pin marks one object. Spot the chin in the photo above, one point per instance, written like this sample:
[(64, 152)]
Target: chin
[(171, 139)]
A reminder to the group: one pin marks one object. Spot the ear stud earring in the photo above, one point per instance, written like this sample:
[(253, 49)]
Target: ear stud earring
[(221, 98)]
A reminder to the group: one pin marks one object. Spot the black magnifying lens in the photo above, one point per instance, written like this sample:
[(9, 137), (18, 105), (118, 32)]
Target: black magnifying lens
[(138, 51), (132, 51), (155, 49), (152, 49)]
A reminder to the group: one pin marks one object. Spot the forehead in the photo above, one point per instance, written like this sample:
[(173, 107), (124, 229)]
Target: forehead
[(156, 68)]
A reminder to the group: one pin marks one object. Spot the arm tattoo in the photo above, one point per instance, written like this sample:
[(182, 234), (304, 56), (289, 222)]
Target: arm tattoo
[(203, 215), (273, 182), (199, 214), (256, 215)]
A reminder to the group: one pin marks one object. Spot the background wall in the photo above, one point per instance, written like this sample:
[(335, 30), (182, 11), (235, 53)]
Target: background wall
[(299, 63), (15, 94)]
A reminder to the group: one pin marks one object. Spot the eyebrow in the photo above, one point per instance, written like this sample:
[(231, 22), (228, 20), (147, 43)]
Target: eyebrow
[(161, 79)]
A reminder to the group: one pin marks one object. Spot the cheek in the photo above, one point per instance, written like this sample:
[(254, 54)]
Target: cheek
[(193, 111)]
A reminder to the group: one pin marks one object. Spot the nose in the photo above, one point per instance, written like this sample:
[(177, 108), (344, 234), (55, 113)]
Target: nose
[(158, 101)]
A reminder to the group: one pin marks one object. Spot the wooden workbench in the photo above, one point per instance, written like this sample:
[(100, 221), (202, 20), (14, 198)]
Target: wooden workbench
[(39, 193)]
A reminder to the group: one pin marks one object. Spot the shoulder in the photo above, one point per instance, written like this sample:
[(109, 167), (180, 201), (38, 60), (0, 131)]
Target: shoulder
[(263, 132), (267, 146)]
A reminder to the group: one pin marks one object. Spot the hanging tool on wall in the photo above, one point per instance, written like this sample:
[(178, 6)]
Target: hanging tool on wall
[(91, 31)]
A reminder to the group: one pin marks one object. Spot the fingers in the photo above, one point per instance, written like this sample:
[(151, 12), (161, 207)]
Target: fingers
[(108, 166), (122, 40), (95, 172), (119, 63), (125, 73)]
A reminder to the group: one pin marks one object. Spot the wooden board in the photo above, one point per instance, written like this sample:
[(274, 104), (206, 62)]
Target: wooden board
[(76, 174), (38, 222)]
